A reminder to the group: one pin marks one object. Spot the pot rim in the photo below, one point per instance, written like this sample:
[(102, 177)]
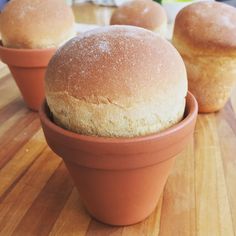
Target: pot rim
[(26, 50), (191, 110), (26, 58)]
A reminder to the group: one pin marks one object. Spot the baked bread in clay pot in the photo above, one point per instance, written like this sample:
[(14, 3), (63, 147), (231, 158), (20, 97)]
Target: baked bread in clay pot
[(31, 32), (142, 13), (205, 36), (117, 111)]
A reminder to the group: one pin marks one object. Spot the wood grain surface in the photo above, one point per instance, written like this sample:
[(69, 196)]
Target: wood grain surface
[(37, 196)]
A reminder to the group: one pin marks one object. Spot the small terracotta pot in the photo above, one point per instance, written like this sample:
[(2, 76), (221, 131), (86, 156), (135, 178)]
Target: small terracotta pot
[(120, 179), (28, 68)]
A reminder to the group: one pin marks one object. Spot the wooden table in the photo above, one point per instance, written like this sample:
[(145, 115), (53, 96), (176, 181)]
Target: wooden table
[(37, 196)]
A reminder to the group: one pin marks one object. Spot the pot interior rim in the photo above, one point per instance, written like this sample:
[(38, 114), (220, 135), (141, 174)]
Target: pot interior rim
[(191, 111), (25, 50)]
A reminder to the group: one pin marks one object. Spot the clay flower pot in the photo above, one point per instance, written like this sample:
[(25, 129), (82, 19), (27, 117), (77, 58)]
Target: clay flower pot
[(28, 68), (120, 179)]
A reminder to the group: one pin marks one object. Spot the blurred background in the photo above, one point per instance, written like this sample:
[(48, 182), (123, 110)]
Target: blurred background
[(101, 16), (172, 7), (90, 14)]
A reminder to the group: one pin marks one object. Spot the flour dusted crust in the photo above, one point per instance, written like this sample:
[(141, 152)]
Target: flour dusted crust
[(116, 81), (36, 24), (142, 13), (206, 28), (205, 36)]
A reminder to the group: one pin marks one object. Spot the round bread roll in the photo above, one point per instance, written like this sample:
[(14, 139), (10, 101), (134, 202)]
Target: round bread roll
[(142, 13), (205, 36), (116, 81), (36, 24)]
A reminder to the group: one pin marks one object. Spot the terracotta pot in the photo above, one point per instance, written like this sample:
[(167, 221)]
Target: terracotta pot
[(120, 179), (28, 68)]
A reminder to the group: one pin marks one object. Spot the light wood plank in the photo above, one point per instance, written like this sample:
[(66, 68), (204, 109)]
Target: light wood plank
[(5, 126), (226, 132), (21, 161), (14, 206), (47, 206), (151, 225), (178, 210), (212, 204), (3, 70), (73, 218), (99, 229), (8, 91), (13, 142), (10, 109)]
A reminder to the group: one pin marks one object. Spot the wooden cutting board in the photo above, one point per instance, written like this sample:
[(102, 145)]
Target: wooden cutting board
[(37, 196)]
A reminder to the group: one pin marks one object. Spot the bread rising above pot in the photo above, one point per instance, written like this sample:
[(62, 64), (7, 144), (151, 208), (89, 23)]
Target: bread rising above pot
[(116, 81), (36, 24)]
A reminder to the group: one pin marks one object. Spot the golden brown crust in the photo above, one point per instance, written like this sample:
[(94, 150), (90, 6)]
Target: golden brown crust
[(36, 24), (117, 76), (142, 13), (211, 80), (115, 62), (205, 36), (206, 28)]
